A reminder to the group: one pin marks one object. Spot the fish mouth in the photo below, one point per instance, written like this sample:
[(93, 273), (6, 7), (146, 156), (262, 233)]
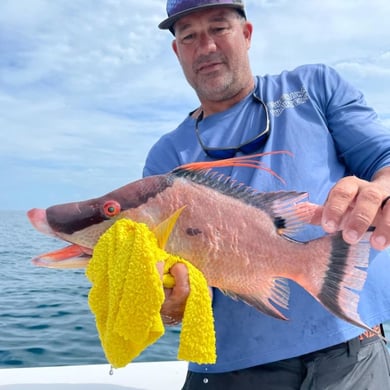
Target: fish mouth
[(72, 256)]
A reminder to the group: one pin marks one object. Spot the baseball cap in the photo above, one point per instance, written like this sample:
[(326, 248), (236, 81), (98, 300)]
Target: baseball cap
[(179, 8)]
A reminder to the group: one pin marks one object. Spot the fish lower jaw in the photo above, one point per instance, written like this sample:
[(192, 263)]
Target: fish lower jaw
[(74, 262), (73, 256)]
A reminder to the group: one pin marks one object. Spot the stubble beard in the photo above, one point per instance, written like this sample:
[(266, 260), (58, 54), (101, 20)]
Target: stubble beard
[(216, 88)]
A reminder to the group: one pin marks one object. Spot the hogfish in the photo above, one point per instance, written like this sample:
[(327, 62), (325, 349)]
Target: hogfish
[(238, 237)]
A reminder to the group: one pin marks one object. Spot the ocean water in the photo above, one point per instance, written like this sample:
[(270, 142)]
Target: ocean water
[(44, 315)]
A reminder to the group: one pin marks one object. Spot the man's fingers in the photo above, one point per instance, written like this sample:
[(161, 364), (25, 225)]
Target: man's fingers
[(353, 206), (340, 200), (173, 307), (380, 239)]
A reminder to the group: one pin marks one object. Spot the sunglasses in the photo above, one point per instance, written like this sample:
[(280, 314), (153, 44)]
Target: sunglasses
[(248, 147)]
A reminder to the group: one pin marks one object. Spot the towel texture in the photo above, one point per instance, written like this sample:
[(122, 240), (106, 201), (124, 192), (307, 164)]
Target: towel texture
[(127, 294)]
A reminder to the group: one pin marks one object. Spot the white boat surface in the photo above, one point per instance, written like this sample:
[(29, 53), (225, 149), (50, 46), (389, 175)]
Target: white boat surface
[(135, 376)]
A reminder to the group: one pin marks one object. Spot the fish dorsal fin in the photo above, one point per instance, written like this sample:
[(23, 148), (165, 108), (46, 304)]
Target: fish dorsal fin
[(251, 161), (164, 229), (289, 210)]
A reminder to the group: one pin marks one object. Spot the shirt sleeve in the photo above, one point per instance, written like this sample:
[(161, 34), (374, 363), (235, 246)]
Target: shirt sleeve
[(361, 140), (162, 157)]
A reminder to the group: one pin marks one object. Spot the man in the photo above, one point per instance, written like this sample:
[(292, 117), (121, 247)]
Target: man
[(341, 157)]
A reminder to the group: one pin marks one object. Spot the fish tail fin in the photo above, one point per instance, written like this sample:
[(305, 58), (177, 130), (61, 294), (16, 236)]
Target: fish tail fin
[(251, 161), (341, 278)]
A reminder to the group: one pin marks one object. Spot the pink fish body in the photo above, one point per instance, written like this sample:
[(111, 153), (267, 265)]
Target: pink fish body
[(236, 236)]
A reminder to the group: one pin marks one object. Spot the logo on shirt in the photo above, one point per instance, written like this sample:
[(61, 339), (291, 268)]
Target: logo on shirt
[(288, 100)]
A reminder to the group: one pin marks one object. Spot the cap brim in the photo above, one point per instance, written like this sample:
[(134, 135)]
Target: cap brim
[(168, 23)]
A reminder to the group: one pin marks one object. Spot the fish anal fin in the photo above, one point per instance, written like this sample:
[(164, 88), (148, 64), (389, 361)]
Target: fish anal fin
[(276, 291), (164, 229)]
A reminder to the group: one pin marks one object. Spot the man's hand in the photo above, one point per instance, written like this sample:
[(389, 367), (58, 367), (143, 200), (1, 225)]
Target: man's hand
[(353, 205), (173, 307)]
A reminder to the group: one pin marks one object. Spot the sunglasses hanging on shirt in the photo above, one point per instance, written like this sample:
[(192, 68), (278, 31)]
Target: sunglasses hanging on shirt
[(248, 147)]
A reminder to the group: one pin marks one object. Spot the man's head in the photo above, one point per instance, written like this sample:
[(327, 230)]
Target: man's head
[(211, 42), (176, 9)]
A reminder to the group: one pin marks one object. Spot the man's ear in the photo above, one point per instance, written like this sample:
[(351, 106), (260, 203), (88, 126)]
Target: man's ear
[(248, 30), (174, 46)]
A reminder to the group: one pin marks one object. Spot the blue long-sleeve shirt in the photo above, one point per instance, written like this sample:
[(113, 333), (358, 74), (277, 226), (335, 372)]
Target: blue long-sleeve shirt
[(331, 132)]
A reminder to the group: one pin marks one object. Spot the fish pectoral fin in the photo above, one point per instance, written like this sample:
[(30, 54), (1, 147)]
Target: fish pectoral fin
[(276, 291), (164, 229)]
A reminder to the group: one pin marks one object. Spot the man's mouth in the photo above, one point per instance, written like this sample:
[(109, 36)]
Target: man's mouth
[(209, 67)]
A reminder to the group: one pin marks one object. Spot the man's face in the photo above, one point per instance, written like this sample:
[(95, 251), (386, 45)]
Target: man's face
[(212, 47)]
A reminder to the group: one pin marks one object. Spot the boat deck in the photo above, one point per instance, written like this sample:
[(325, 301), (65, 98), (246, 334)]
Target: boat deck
[(136, 376)]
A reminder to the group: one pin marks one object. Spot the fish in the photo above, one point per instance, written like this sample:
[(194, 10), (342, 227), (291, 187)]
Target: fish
[(240, 238)]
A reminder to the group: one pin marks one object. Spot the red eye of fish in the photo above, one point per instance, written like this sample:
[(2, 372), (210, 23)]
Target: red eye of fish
[(111, 208)]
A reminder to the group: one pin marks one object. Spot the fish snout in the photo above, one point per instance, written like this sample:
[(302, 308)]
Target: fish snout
[(38, 219)]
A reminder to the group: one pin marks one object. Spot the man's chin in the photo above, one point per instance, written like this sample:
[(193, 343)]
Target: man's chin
[(214, 87)]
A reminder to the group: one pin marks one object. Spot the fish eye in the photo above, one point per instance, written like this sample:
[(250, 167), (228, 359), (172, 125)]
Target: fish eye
[(111, 208)]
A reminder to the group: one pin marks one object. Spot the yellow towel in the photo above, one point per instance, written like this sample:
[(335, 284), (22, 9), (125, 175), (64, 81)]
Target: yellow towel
[(127, 294)]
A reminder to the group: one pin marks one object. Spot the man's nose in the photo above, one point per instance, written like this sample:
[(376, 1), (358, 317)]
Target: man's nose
[(206, 43)]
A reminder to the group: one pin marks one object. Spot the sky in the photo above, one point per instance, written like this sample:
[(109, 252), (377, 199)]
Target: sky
[(88, 86)]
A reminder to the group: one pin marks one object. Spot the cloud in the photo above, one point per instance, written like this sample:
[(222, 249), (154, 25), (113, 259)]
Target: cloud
[(86, 87)]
